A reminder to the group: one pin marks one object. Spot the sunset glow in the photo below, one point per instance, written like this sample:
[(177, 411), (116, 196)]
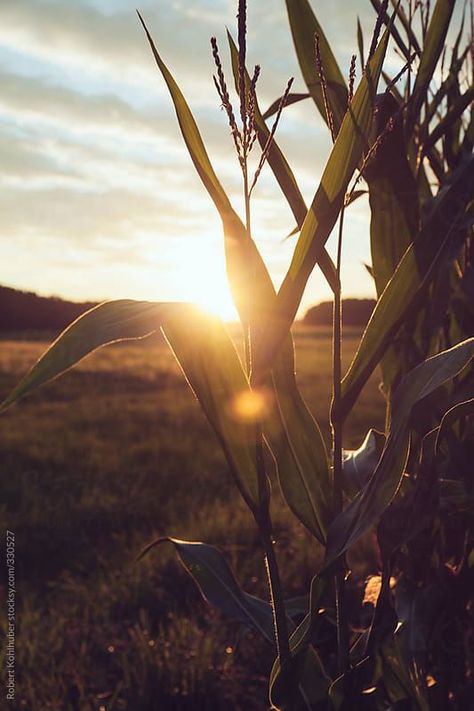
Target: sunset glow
[(201, 274)]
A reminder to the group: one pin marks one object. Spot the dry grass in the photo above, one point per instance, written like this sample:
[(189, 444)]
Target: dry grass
[(94, 466)]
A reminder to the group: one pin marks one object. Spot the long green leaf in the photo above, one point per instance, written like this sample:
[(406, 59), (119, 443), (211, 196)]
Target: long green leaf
[(204, 350), (320, 219), (218, 585), (244, 263), (281, 168), (454, 114), (369, 505), (302, 652), (394, 216), (209, 360), (304, 26), (434, 246), (106, 323), (300, 452), (434, 43)]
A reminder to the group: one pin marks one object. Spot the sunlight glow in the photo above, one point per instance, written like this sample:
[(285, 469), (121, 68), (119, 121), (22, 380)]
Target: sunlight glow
[(201, 274)]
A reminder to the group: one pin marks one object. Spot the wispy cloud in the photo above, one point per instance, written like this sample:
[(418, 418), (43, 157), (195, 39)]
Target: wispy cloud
[(97, 187)]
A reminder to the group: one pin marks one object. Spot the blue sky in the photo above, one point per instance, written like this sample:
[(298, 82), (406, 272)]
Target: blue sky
[(99, 199)]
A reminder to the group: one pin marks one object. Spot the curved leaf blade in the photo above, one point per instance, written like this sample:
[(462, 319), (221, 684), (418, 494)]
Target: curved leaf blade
[(304, 26), (211, 365), (106, 323), (369, 505), (433, 46), (435, 244), (219, 587), (281, 168), (244, 263), (321, 218)]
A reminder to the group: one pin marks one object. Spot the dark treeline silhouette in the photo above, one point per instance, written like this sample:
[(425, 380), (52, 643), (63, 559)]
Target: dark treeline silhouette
[(355, 312), (25, 311)]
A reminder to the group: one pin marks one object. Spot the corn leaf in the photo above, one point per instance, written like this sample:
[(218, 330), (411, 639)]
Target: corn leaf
[(281, 168), (304, 26), (369, 505), (343, 160), (435, 245), (360, 45), (452, 117), (246, 271), (377, 5), (302, 653), (394, 216), (290, 99), (106, 323), (434, 43), (299, 452), (358, 465), (217, 584), (204, 350), (211, 365)]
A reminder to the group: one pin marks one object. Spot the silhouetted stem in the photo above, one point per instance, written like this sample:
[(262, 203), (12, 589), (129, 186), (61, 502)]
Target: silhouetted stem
[(337, 431), (276, 595)]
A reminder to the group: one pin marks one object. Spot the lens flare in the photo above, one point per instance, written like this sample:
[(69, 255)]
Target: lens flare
[(251, 405)]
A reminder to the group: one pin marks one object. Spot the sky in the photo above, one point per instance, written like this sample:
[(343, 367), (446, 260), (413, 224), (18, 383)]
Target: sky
[(99, 198)]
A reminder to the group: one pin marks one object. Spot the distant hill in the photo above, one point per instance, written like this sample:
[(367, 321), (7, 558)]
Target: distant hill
[(26, 311), (355, 312)]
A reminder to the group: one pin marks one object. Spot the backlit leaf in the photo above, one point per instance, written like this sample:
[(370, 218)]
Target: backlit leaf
[(218, 585), (434, 246), (369, 505), (433, 46), (246, 271), (106, 323), (343, 160), (304, 26), (281, 169)]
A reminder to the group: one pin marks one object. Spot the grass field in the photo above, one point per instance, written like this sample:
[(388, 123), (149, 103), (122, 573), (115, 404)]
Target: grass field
[(96, 465)]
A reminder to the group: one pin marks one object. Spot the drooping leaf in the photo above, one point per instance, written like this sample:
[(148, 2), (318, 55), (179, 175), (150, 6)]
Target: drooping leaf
[(455, 413), (204, 350), (106, 323), (433, 246), (304, 27), (371, 502), (343, 160), (218, 585), (290, 99)]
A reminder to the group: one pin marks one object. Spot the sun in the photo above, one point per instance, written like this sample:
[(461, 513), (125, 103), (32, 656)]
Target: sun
[(202, 279)]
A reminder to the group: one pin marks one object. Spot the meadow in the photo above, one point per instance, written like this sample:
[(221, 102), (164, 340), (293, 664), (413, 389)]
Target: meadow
[(95, 467)]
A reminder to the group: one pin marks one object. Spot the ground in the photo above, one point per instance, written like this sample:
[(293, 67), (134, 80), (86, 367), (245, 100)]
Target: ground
[(94, 466)]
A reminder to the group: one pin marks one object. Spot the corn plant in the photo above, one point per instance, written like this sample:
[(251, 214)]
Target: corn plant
[(411, 144)]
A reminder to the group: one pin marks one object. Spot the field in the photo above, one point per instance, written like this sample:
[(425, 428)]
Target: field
[(96, 465)]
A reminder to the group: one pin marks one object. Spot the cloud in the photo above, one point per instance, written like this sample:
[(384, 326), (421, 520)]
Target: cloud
[(94, 169)]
